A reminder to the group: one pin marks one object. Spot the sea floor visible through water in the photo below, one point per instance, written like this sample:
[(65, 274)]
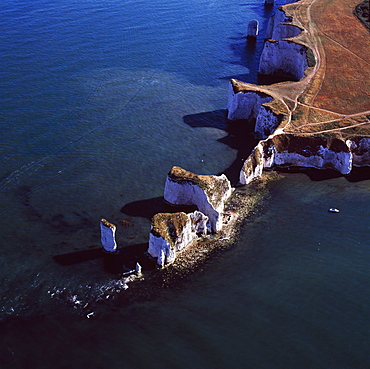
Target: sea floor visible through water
[(99, 100)]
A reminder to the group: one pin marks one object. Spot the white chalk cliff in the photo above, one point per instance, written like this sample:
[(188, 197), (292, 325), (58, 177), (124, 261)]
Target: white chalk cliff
[(283, 58), (250, 105), (279, 27), (253, 167), (306, 152), (173, 232), (360, 149), (208, 192), (266, 122), (245, 105)]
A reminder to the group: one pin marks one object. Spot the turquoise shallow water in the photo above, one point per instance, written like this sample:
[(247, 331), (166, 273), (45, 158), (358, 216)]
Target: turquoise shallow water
[(99, 100)]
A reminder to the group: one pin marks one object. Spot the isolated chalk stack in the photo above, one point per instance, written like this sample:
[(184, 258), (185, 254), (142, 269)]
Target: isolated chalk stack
[(252, 29), (108, 236)]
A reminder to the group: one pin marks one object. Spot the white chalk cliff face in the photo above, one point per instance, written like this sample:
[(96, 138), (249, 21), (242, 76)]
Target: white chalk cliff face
[(108, 234), (245, 104), (323, 158), (173, 232), (360, 148), (305, 152), (266, 122), (283, 58), (279, 28), (249, 105), (208, 192), (253, 167)]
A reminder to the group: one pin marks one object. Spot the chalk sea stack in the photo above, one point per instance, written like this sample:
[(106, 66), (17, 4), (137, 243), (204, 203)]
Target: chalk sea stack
[(173, 232), (252, 29), (208, 192), (108, 236)]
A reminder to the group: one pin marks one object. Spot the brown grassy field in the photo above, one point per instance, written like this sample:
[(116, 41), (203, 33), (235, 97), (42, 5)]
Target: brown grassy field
[(337, 98), (334, 97)]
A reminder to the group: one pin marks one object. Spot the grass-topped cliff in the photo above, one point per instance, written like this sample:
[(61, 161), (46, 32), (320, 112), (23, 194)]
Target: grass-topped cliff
[(333, 99)]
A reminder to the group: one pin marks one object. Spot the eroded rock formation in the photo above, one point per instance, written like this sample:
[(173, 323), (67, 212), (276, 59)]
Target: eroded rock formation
[(244, 105), (252, 29), (280, 27), (108, 236), (173, 232), (283, 58), (360, 149), (266, 122), (309, 152), (253, 166), (208, 192), (251, 105), (318, 152)]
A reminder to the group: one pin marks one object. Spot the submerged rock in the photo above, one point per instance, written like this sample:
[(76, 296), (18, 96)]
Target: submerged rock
[(173, 232), (208, 192)]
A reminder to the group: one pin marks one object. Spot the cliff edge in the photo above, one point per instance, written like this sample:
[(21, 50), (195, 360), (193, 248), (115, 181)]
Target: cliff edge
[(323, 118)]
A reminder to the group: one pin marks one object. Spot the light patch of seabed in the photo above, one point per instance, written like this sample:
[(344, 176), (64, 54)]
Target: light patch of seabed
[(114, 148)]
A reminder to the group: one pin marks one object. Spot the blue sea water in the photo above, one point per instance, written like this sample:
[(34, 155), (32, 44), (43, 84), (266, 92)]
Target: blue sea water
[(99, 99)]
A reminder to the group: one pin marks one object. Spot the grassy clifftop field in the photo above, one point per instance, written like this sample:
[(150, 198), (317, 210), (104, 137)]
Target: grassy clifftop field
[(334, 96)]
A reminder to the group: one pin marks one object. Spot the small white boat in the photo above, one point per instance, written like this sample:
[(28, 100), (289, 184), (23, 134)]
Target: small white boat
[(333, 210)]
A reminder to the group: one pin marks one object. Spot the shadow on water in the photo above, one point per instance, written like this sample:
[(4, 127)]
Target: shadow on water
[(125, 258), (149, 207), (247, 51), (357, 174), (240, 136), (79, 256)]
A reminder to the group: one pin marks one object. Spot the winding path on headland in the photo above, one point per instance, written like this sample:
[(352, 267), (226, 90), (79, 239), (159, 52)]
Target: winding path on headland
[(337, 97), (334, 95)]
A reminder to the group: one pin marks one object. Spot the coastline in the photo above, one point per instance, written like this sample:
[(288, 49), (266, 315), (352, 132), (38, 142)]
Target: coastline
[(281, 106), (284, 284), (242, 204)]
